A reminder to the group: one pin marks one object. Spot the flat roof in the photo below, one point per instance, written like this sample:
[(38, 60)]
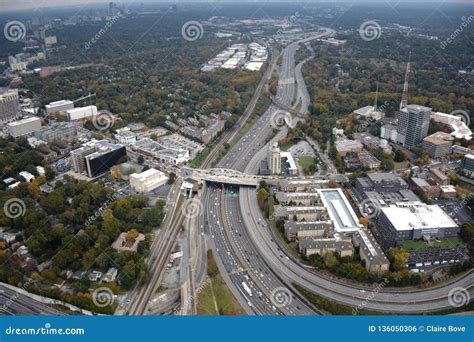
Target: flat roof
[(417, 215), (23, 121), (339, 209)]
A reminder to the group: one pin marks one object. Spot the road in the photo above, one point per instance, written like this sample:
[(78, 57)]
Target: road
[(245, 157), (231, 133), (237, 257), (14, 303)]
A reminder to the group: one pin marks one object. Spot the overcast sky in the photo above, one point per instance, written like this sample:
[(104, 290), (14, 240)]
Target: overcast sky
[(8, 5)]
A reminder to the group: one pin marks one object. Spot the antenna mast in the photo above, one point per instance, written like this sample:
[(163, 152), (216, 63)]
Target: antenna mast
[(404, 102), (376, 94)]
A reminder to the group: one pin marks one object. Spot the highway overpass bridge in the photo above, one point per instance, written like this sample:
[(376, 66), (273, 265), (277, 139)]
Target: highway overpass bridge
[(233, 177)]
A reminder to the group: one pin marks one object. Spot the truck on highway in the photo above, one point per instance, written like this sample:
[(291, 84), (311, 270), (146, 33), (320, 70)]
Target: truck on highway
[(247, 288)]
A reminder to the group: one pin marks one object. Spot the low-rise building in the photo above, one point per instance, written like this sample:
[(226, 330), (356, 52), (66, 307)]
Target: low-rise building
[(344, 146), (438, 145), (310, 246), (24, 126), (167, 154), (61, 131), (439, 176), (467, 166), (429, 190), (308, 213), (298, 198), (425, 231), (81, 113), (448, 191), (59, 106), (297, 230), (370, 252), (368, 160), (147, 180)]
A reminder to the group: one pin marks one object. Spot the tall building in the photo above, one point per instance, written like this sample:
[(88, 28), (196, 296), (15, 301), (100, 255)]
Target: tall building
[(413, 125), (9, 106), (96, 157), (274, 159), (467, 165)]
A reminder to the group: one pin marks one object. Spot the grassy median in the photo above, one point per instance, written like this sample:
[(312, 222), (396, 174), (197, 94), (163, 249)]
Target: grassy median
[(215, 298)]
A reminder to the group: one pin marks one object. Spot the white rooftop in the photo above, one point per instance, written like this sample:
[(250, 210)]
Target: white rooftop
[(417, 215)]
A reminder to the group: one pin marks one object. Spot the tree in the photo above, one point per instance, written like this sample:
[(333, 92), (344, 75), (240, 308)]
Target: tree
[(399, 156), (140, 160), (330, 260), (262, 196), (399, 258)]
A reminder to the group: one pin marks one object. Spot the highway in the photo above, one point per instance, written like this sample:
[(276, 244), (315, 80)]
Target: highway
[(231, 133), (242, 262), (245, 157), (237, 257), (14, 303)]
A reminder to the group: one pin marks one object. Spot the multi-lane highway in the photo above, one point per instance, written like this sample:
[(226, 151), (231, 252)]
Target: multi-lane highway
[(246, 272), (15, 303), (252, 232)]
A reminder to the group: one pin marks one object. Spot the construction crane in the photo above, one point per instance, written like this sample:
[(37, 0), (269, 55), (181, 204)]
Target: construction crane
[(85, 98), (404, 101)]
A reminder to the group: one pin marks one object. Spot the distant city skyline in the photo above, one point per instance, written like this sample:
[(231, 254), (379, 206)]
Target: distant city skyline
[(8, 5)]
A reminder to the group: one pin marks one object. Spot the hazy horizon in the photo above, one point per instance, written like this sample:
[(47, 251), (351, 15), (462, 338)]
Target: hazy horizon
[(6, 5)]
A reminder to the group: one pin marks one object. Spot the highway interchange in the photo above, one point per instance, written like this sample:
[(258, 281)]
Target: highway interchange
[(246, 227)]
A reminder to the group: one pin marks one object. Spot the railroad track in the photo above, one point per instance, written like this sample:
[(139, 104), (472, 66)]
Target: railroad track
[(231, 133), (164, 247)]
